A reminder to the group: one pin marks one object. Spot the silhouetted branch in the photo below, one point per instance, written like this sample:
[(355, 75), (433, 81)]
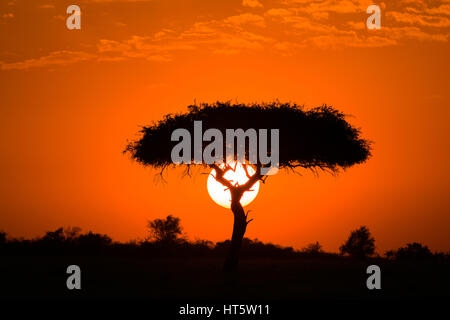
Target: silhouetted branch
[(220, 175), (252, 180), (160, 175), (246, 216), (246, 171)]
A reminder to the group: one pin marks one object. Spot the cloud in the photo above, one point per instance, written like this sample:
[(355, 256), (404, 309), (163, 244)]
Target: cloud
[(7, 15), (356, 25), (283, 29), (415, 2), (419, 19), (416, 20), (320, 6), (245, 19), (278, 12), (415, 33), (227, 36), (350, 39), (55, 58), (343, 6), (252, 3), (106, 1), (443, 9), (139, 47)]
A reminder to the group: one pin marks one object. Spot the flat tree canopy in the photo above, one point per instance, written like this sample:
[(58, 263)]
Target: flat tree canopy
[(318, 138)]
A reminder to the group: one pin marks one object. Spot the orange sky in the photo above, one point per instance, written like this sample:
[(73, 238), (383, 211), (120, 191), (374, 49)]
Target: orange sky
[(71, 99)]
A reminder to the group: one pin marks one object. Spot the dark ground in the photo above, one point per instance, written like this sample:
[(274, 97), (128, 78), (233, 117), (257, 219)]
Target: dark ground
[(39, 277)]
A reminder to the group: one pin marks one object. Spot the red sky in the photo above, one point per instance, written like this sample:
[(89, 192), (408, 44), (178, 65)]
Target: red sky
[(71, 99)]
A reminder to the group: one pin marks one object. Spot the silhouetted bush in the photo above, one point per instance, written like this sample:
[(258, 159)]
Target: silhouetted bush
[(91, 243), (72, 233), (56, 236), (359, 244), (165, 230), (53, 242), (168, 243), (313, 249), (412, 251), (2, 237)]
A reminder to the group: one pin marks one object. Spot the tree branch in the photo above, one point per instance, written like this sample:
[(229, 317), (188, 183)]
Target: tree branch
[(252, 180), (220, 173), (246, 171), (246, 217)]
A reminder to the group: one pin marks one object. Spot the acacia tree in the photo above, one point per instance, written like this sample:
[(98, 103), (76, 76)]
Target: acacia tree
[(316, 139), (360, 244)]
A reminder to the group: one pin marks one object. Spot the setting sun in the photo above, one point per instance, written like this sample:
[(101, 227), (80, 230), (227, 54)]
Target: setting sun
[(221, 195)]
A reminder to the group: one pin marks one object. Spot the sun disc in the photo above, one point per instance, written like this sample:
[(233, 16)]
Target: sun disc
[(219, 193)]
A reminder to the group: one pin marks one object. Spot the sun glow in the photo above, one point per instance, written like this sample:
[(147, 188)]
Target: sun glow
[(219, 193)]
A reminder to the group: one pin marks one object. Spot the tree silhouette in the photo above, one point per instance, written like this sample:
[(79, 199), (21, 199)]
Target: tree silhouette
[(313, 249), (412, 251), (2, 237), (56, 236), (72, 233), (93, 241), (165, 230), (360, 244), (316, 139)]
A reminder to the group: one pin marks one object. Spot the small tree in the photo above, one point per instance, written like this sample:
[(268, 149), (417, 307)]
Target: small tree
[(165, 230), (56, 236), (2, 237), (313, 248), (360, 244), (413, 251), (71, 233), (93, 240)]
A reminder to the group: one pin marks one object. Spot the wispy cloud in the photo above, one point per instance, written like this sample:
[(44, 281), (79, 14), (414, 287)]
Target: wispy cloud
[(252, 3), (283, 28), (245, 19), (423, 18), (106, 1), (7, 16), (416, 20), (47, 6), (56, 58), (150, 48)]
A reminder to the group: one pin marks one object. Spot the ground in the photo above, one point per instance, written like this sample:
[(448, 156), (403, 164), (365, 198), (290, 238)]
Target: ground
[(201, 279)]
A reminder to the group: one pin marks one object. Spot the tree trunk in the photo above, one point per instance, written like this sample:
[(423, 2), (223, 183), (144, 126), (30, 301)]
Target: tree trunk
[(239, 227)]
